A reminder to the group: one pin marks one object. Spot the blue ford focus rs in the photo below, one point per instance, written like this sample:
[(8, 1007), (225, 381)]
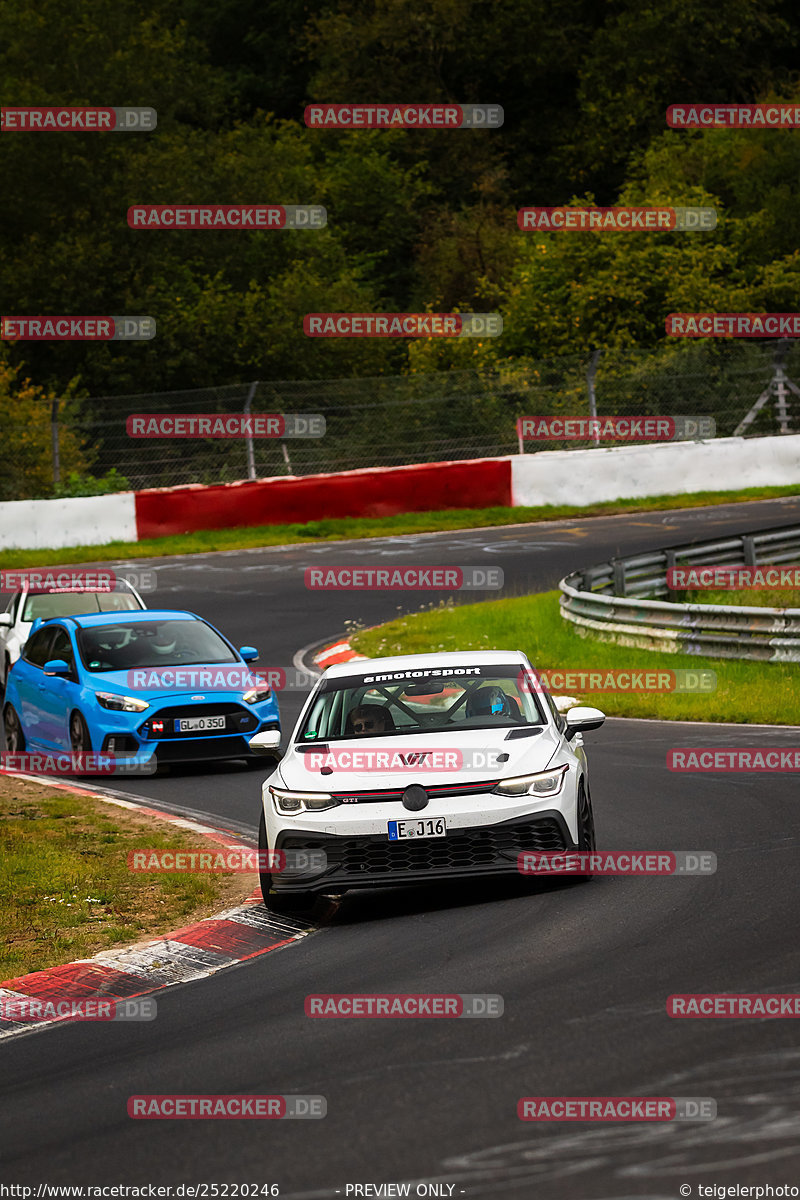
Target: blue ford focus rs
[(151, 687)]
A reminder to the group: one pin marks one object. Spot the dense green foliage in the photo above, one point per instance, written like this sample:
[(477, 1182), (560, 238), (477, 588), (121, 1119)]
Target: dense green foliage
[(417, 219)]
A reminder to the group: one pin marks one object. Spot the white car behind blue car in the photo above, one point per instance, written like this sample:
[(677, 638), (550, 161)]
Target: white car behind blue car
[(423, 767)]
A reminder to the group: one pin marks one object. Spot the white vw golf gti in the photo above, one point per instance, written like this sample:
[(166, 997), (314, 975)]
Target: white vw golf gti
[(422, 767)]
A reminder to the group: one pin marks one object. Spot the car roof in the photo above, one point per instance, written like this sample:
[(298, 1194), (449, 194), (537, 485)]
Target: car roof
[(140, 615), (410, 662), (120, 585)]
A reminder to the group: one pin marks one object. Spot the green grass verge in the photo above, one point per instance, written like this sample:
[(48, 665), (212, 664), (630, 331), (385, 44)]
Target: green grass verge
[(65, 888), (747, 692), (750, 597), (347, 528)]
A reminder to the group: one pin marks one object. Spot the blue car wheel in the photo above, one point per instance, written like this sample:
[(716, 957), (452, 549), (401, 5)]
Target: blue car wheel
[(15, 738), (79, 734)]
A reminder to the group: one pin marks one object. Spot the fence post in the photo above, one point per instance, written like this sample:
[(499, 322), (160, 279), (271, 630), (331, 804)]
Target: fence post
[(251, 458), (54, 442), (591, 371)]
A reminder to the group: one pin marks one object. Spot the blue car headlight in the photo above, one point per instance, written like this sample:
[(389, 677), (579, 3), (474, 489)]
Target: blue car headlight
[(121, 703), (257, 694)]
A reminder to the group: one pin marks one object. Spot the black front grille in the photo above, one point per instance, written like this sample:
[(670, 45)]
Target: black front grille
[(237, 720), (194, 750), (461, 850)]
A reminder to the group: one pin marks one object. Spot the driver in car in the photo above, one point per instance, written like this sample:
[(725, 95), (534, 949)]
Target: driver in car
[(370, 718)]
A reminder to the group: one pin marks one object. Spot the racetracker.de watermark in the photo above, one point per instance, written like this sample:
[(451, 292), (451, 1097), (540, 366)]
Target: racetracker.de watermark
[(58, 579), (227, 1108), (415, 115), (227, 216), (617, 862), (54, 762), (617, 1108), (615, 429), (733, 758), (391, 325), (463, 1004), (743, 1004), (755, 325), (699, 115), (30, 1009), (235, 425), (612, 220), (721, 578), (77, 329), (234, 677), (237, 860), (619, 679), (403, 758), (403, 579), (33, 119)]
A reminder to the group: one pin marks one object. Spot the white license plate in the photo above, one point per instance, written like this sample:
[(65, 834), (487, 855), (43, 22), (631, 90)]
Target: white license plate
[(192, 724), (430, 827)]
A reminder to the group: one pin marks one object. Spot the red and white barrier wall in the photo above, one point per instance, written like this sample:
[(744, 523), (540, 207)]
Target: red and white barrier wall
[(576, 477)]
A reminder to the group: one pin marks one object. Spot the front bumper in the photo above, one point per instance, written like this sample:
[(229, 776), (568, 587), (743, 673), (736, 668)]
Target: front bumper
[(365, 861), (152, 738)]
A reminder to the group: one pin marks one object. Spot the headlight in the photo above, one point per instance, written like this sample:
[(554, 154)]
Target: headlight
[(257, 694), (121, 703), (291, 803), (544, 783)]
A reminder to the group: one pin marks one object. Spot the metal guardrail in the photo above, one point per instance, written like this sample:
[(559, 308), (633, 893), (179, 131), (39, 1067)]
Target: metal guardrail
[(617, 601)]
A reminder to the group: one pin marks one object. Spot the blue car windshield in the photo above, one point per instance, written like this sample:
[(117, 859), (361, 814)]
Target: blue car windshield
[(170, 643)]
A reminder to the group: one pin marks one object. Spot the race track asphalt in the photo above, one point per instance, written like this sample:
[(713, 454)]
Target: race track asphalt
[(584, 970)]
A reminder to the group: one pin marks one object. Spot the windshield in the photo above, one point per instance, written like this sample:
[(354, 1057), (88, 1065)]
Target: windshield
[(422, 700), (168, 643), (73, 604)]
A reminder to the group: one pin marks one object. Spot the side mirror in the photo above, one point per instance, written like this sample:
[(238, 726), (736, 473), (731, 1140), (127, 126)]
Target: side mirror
[(6, 619), (248, 653), (57, 666), (580, 718), (267, 742)]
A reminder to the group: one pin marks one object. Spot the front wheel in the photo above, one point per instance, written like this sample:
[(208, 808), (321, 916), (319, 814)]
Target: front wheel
[(79, 738), (286, 902), (587, 842)]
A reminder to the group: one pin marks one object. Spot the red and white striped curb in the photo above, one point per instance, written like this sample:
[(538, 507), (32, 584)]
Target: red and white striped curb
[(339, 652), (186, 954)]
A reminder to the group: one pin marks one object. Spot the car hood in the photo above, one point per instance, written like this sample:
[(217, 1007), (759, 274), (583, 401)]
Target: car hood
[(119, 683), (435, 759)]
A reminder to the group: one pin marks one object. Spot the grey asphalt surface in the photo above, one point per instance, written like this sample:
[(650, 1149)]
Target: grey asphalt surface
[(584, 970)]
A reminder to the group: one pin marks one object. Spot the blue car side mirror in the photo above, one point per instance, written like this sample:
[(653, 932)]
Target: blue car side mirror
[(248, 653), (57, 666)]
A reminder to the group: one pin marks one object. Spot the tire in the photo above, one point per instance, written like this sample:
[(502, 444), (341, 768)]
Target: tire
[(15, 738), (288, 902), (587, 842), (586, 835), (79, 738)]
